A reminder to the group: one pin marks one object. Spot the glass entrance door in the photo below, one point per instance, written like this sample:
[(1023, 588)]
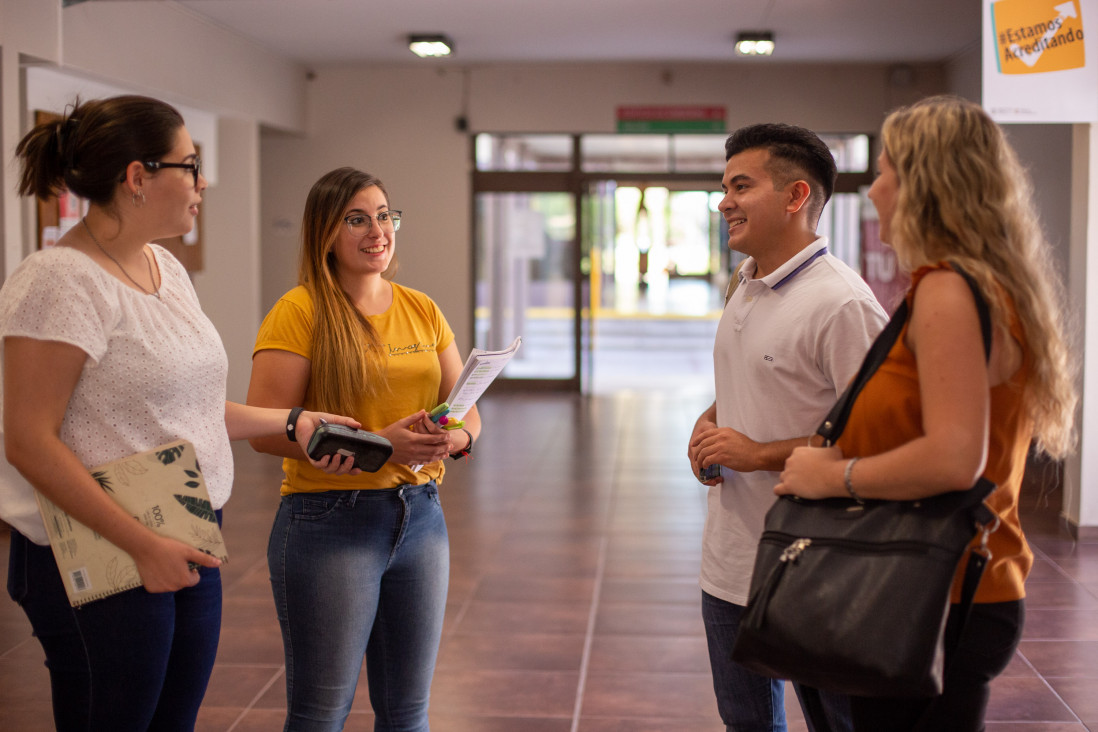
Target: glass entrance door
[(526, 281), (657, 265), (607, 254)]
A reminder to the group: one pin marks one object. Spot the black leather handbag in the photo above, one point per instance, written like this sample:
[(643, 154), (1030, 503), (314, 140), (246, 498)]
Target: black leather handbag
[(852, 596)]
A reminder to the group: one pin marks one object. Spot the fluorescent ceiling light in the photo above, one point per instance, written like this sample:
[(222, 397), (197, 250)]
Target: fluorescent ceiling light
[(430, 45), (756, 43)]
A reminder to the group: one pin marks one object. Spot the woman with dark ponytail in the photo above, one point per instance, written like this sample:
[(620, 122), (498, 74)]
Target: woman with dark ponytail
[(107, 353)]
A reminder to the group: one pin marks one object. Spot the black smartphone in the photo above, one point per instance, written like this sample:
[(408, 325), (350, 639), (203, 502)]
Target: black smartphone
[(711, 472), (370, 451)]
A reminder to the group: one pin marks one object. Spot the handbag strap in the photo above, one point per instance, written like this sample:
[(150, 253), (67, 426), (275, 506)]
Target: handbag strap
[(835, 421)]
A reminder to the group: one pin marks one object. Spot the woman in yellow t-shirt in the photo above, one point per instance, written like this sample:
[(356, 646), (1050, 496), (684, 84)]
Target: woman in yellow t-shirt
[(359, 564), (936, 415)]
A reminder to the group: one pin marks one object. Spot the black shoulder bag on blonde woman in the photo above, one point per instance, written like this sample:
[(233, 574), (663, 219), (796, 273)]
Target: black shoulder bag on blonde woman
[(851, 596)]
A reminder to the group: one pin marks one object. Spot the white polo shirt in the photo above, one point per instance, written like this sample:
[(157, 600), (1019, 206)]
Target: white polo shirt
[(786, 346)]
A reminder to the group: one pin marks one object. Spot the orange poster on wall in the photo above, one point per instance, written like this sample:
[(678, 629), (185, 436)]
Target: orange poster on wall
[(1036, 67), (1036, 37)]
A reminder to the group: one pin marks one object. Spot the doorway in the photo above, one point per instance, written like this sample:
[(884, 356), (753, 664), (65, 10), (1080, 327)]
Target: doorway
[(607, 254)]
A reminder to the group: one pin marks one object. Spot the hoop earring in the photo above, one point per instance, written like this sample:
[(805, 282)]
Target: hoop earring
[(138, 198)]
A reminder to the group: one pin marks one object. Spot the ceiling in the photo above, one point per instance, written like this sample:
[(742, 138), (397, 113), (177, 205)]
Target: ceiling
[(327, 32)]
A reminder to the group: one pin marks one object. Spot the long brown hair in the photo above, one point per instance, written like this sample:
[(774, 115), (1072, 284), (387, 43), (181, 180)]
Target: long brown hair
[(347, 361), (964, 197)]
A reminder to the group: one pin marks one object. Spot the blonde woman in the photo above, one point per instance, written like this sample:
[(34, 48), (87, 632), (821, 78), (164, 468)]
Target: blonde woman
[(359, 566), (936, 415)]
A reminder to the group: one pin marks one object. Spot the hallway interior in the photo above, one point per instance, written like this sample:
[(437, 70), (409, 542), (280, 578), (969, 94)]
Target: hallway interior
[(574, 604)]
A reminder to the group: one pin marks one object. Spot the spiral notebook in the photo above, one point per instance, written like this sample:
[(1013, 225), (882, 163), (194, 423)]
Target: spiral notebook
[(163, 489)]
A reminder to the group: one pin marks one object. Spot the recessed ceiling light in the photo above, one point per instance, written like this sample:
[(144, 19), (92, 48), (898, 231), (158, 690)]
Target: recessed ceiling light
[(755, 43), (430, 45)]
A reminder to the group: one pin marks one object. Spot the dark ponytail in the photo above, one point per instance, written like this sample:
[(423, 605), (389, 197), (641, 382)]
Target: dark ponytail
[(88, 149)]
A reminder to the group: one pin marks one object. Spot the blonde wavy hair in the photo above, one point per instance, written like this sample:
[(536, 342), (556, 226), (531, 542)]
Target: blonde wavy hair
[(964, 197), (347, 359)]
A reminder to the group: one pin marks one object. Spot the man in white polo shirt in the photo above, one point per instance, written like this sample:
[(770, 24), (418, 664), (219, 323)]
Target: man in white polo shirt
[(793, 333)]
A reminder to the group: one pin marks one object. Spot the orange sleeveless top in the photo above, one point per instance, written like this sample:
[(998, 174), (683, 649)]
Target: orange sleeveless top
[(888, 413)]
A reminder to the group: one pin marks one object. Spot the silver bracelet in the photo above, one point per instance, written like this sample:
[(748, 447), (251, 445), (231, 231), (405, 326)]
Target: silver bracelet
[(847, 482)]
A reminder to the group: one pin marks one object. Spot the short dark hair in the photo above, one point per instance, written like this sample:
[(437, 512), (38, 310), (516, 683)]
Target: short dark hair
[(794, 152)]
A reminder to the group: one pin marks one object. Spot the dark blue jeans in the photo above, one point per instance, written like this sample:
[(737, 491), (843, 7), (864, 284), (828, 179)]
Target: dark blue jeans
[(131, 662), (360, 574), (748, 702)]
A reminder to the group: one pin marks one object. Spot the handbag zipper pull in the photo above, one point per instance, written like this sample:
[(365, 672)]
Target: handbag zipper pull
[(792, 552)]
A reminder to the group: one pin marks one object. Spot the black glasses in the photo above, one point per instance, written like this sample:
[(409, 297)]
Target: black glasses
[(195, 167), (359, 223)]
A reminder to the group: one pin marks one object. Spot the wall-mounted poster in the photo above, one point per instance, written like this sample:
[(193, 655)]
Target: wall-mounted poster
[(1039, 63)]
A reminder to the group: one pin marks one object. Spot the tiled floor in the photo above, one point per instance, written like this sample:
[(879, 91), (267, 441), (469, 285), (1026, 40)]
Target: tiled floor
[(574, 604)]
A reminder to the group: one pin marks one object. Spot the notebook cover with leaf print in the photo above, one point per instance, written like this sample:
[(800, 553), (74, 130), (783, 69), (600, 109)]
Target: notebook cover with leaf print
[(163, 489)]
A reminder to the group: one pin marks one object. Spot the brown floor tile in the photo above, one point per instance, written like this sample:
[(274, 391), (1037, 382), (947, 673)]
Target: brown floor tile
[(1036, 727), (1061, 623), (657, 591), (521, 651), (649, 654), (686, 697), (648, 619), (1078, 694), (238, 686), (1063, 658), (506, 588), (525, 617), (1026, 700), (442, 722), (606, 512), (686, 567), (512, 693), (1059, 594)]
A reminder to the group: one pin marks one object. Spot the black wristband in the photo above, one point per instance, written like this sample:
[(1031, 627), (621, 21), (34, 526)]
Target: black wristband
[(291, 423), (468, 448)]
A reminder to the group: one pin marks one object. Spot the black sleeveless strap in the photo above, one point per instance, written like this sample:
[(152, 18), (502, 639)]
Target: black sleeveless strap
[(835, 421)]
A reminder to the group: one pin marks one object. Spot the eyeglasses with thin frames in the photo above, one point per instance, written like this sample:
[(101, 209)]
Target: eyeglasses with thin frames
[(195, 167), (359, 224)]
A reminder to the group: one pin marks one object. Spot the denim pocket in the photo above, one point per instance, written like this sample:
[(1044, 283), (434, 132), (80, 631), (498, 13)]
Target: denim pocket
[(314, 506)]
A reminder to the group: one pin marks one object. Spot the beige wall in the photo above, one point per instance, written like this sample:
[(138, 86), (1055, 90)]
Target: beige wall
[(228, 89)]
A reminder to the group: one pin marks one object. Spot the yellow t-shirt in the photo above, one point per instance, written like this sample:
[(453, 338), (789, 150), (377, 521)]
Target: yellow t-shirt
[(413, 331)]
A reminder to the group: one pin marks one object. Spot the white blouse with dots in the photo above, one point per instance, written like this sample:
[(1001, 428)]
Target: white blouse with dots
[(155, 371)]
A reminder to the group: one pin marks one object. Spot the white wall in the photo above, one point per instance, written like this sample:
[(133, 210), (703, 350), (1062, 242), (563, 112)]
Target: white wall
[(227, 89), (1081, 493), (228, 285), (164, 50)]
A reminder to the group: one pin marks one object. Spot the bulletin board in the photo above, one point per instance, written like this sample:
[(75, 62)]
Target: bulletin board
[(58, 214)]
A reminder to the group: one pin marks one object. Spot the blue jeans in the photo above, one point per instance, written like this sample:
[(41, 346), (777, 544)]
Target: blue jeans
[(130, 662), (748, 702), (354, 574)]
